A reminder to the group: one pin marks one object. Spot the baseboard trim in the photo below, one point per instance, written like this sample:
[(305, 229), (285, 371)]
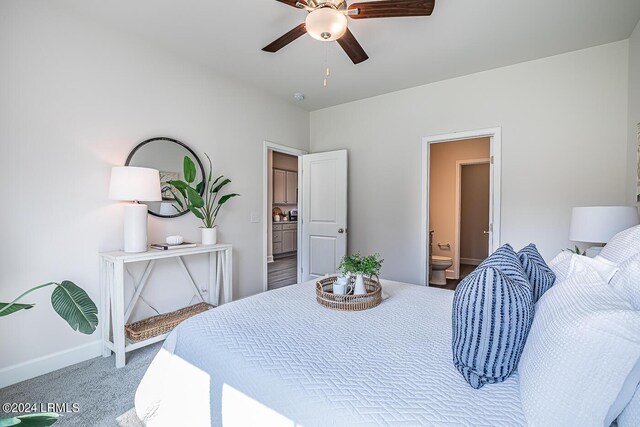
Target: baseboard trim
[(470, 261), (43, 365)]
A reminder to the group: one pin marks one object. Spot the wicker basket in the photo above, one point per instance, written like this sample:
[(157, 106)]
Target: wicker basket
[(163, 323), (326, 297)]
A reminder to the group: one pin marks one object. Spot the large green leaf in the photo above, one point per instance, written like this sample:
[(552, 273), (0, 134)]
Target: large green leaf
[(180, 185), (74, 305), (189, 170), (31, 420), (219, 186), (200, 187), (196, 212), (226, 197), (194, 198), (13, 308), (212, 185)]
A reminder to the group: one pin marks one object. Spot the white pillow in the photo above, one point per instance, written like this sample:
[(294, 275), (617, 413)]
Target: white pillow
[(630, 417), (623, 245), (627, 281), (581, 361), (560, 265), (605, 268)]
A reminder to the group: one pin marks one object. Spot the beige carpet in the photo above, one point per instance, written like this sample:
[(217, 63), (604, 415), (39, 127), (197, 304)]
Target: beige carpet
[(104, 394)]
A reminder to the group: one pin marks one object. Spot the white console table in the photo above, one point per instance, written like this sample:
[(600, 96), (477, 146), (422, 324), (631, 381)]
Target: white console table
[(114, 314)]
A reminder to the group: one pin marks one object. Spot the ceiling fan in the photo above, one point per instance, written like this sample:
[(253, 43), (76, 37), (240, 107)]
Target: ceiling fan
[(327, 21)]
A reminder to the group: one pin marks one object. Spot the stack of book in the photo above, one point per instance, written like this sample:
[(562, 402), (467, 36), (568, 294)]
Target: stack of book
[(167, 247)]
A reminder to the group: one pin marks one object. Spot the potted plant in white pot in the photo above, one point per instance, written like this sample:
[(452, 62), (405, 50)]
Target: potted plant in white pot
[(205, 207), (361, 266)]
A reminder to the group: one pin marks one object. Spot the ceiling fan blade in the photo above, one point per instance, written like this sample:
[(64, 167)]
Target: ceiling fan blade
[(391, 8), (353, 49), (281, 42), (293, 3)]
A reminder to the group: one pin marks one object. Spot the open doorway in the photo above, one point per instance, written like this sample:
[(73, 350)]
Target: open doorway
[(281, 208), (461, 204)]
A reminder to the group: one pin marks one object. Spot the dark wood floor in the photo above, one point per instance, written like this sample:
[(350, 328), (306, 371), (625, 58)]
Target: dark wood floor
[(465, 270), (282, 272)]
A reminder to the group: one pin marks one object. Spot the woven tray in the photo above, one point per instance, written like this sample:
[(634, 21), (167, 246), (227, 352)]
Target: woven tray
[(350, 302), (163, 323)]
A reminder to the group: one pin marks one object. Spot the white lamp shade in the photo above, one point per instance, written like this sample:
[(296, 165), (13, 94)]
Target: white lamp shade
[(598, 224), (326, 24), (130, 183)]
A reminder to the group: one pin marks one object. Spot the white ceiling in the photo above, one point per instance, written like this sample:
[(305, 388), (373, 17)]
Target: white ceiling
[(461, 37)]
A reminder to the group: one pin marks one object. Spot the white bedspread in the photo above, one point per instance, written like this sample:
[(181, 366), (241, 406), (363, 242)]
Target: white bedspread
[(279, 358)]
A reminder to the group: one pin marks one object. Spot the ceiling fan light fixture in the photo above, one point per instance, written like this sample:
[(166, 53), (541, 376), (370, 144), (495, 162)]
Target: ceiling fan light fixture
[(326, 24)]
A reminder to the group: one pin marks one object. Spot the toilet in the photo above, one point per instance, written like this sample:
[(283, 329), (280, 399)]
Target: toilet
[(439, 265)]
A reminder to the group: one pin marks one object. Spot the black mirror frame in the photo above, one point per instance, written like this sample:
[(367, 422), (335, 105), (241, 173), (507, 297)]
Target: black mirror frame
[(164, 138)]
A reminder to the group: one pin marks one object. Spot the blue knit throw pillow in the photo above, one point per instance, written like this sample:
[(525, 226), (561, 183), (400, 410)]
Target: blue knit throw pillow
[(540, 275), (492, 314)]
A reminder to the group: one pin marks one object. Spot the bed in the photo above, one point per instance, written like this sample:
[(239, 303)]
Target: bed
[(279, 358)]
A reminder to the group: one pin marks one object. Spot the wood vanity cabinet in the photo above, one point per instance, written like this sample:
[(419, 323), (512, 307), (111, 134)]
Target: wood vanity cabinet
[(285, 238), (285, 187)]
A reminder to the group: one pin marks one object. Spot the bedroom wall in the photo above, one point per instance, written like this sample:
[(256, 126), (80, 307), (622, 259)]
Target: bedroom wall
[(564, 129), (633, 154), (73, 104)]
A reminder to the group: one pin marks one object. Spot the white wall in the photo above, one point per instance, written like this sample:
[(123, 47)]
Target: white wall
[(633, 166), (75, 99), (564, 122)]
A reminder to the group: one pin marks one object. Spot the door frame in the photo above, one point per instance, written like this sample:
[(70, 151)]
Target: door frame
[(458, 211), (266, 209), (495, 153)]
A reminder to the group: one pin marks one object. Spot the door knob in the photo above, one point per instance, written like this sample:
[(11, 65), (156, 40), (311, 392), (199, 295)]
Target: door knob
[(486, 232), (340, 230)]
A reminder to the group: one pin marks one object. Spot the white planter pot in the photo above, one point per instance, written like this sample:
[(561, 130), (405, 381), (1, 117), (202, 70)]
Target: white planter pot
[(359, 288), (209, 236)]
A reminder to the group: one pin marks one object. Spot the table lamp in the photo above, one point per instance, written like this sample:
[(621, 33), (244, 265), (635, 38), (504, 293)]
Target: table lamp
[(598, 224), (134, 184)]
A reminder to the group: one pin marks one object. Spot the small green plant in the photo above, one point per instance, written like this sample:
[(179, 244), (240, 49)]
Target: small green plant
[(576, 251), (357, 264), (187, 197)]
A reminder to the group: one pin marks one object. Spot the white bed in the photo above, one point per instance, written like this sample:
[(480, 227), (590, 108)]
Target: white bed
[(279, 358)]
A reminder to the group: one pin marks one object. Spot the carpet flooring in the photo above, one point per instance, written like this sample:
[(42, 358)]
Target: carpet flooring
[(282, 272), (104, 394)]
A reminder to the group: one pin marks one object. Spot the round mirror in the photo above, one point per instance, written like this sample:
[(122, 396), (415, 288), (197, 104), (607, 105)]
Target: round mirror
[(166, 155)]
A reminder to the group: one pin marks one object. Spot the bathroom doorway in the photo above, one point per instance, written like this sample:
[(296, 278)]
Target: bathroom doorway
[(461, 204), (281, 202)]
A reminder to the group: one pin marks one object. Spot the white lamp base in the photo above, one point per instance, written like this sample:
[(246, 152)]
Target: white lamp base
[(135, 227)]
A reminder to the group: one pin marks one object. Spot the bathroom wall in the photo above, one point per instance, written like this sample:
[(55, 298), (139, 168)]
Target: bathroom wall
[(474, 213), (442, 203)]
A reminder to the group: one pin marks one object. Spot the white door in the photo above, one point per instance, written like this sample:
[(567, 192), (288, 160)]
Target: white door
[(324, 212)]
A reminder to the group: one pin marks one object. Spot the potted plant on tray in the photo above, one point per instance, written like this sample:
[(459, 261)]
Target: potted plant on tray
[(71, 303), (361, 266), (205, 207)]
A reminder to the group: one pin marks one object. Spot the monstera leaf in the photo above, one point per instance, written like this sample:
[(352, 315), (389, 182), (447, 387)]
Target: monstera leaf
[(70, 301), (31, 420), (74, 305), (8, 308)]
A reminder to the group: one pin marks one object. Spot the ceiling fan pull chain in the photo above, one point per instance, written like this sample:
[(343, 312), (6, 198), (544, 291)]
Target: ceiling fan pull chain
[(327, 72)]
